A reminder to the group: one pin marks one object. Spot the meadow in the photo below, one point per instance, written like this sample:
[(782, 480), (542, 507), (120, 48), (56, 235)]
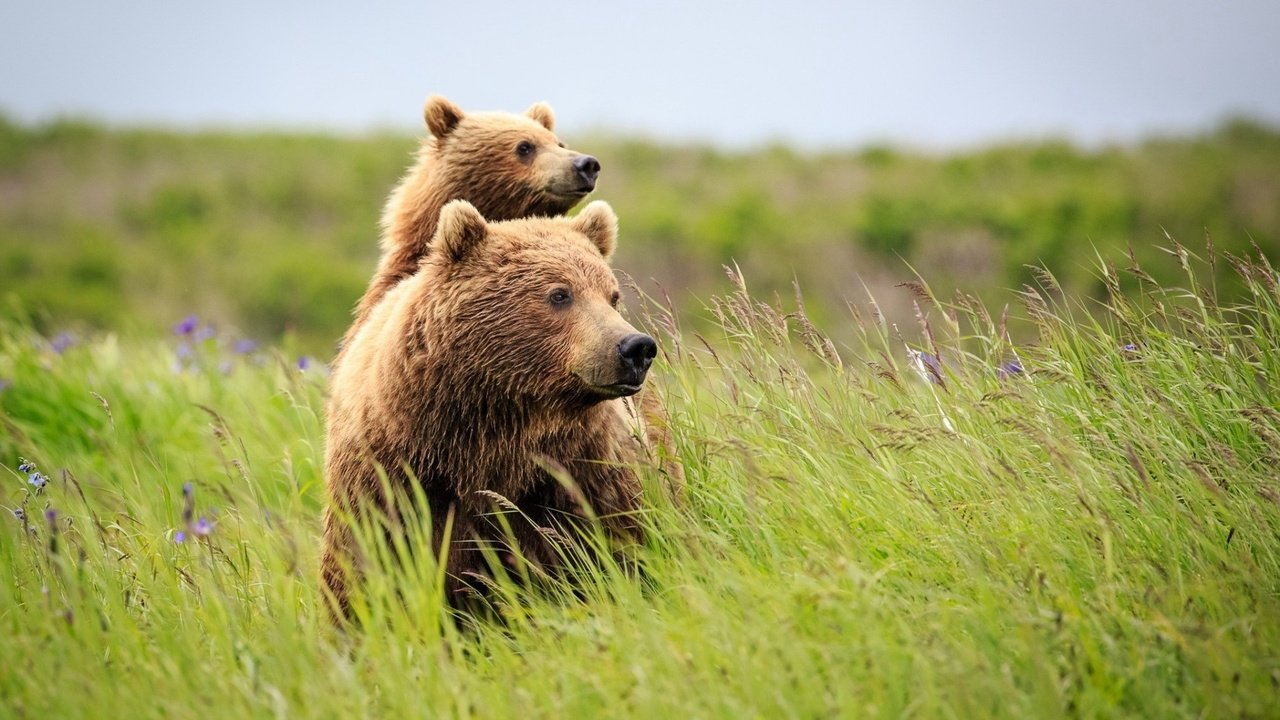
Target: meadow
[(1077, 514), (1094, 536), (275, 234)]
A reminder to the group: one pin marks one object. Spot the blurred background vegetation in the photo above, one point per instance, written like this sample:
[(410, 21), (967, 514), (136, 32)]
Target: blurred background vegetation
[(276, 234)]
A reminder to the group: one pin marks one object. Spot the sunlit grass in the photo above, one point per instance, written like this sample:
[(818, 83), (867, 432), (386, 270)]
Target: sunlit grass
[(1094, 536)]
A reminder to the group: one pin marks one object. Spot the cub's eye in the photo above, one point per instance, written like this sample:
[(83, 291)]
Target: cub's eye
[(524, 149), (560, 144), (614, 298), (560, 297)]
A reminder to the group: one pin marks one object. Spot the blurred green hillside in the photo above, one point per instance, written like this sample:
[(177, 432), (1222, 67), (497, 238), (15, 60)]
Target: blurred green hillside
[(273, 233)]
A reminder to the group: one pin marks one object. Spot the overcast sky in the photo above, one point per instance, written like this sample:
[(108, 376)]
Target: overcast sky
[(932, 73)]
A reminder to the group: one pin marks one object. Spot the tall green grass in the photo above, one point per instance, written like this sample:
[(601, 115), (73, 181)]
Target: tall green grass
[(1096, 536)]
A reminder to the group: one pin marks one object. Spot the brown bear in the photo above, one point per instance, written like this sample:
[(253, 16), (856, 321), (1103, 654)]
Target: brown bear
[(501, 361), (508, 166)]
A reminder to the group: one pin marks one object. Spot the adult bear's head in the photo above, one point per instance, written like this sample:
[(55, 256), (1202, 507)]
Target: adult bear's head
[(527, 309)]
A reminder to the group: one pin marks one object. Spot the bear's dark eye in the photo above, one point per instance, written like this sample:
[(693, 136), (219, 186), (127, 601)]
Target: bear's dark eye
[(560, 297), (524, 149), (614, 298)]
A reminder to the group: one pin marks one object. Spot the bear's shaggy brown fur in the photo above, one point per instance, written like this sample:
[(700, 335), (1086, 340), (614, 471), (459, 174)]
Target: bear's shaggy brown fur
[(502, 356), (507, 165)]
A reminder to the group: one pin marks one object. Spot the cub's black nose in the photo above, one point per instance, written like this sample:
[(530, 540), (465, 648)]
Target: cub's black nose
[(588, 169), (637, 352)]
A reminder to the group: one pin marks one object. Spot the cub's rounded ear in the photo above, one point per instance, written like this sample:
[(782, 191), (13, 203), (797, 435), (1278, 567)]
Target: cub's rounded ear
[(461, 230), (441, 115), (598, 222), (542, 113)]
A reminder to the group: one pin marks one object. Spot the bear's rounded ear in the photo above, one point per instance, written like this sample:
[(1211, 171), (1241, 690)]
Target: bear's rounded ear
[(600, 225), (542, 113), (441, 115), (461, 230)]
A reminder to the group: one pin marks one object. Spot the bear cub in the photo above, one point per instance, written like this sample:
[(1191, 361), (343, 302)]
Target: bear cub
[(507, 165)]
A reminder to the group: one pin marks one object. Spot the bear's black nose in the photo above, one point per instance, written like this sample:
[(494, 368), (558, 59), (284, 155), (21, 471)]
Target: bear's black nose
[(636, 352), (588, 169)]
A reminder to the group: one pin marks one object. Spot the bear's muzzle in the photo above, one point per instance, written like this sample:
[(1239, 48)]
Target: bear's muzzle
[(635, 354)]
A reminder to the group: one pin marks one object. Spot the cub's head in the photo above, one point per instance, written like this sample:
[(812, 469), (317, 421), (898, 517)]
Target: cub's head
[(507, 165), (528, 308)]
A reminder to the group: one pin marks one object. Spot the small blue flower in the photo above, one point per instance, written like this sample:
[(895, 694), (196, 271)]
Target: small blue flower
[(304, 363), (38, 480), (926, 366), (20, 514), (191, 527), (51, 515), (204, 333), (245, 346), (26, 466), (61, 342), (184, 351), (1008, 369), (187, 326), (1129, 347)]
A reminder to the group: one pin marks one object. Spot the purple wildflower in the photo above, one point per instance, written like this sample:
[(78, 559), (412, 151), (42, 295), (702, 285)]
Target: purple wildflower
[(35, 478), (61, 342), (20, 514), (51, 516), (204, 333), (183, 357), (1008, 369), (1129, 347), (926, 365), (187, 326), (245, 346), (304, 363), (191, 526)]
